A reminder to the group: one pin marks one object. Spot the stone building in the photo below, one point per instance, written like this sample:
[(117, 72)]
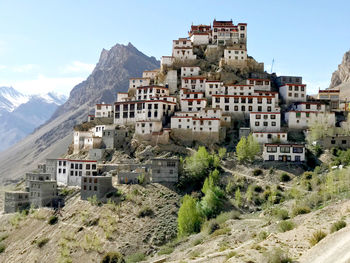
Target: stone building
[(164, 170), (337, 140), (15, 201), (97, 186), (42, 193)]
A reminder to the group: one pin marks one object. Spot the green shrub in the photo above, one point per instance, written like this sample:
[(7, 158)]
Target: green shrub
[(137, 257), (189, 219), (223, 217), (230, 254), (277, 256), (166, 250), (52, 220), (258, 189), (262, 235), (113, 257), (280, 214), (300, 210), (2, 248), (285, 226), (307, 175), (247, 149), (146, 211), (317, 237), (257, 172), (285, 177), (42, 242), (338, 225), (213, 226), (141, 179), (93, 200)]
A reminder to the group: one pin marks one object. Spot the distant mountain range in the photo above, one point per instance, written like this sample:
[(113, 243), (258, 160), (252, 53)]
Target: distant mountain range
[(21, 114), (111, 75)]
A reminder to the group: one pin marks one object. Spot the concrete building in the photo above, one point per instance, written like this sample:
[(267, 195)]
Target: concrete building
[(70, 172), (38, 177), (147, 127), (213, 87), (164, 170), (151, 74), (265, 121), (148, 92), (195, 83), (259, 84), (235, 55), (293, 93), (270, 137), (190, 71), (103, 110), (284, 152), (42, 193), (114, 138), (15, 201), (51, 168), (97, 186)]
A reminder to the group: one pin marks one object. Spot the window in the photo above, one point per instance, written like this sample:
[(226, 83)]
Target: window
[(271, 149), (308, 106), (298, 149), (271, 157), (297, 158), (296, 88), (343, 141), (227, 108), (298, 114), (265, 123), (285, 149), (332, 141), (273, 123), (273, 117), (95, 188), (257, 123), (258, 117)]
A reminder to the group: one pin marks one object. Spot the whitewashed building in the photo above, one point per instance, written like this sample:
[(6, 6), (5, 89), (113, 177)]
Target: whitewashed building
[(167, 61), (270, 137), (79, 140), (190, 71), (284, 152), (293, 93), (69, 172), (151, 74), (193, 104), (148, 127), (183, 50), (330, 96), (200, 34), (243, 90), (195, 83), (235, 55), (213, 87), (139, 82), (123, 96), (147, 92), (225, 32), (265, 121), (103, 110), (260, 84)]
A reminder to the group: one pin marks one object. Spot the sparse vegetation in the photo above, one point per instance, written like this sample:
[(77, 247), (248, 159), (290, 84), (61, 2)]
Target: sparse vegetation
[(317, 237), (3, 237), (137, 257), (285, 177), (52, 220), (113, 257), (2, 247), (277, 255), (300, 210), (285, 226), (257, 172), (145, 211), (280, 214), (338, 225), (93, 200), (42, 242)]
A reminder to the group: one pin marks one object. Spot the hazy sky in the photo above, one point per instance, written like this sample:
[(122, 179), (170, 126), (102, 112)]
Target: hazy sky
[(53, 45)]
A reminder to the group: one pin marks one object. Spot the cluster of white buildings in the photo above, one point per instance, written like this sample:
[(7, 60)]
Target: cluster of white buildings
[(187, 103)]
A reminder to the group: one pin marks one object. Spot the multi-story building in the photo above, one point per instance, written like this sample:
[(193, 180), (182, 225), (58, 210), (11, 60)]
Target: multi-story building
[(139, 82), (147, 92), (164, 170), (103, 110), (131, 111), (97, 186), (148, 127), (330, 96), (200, 34), (183, 50), (303, 115), (190, 71), (270, 137), (265, 121), (69, 172), (243, 90), (213, 87), (241, 106), (283, 80), (293, 93), (151, 74), (226, 33), (42, 193), (195, 83), (166, 61), (192, 101), (235, 55), (284, 152), (260, 84), (16, 201), (79, 140)]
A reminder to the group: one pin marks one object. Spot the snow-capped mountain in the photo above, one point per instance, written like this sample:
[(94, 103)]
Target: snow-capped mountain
[(20, 114)]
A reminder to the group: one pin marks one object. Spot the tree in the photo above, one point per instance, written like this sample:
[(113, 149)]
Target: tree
[(247, 149), (189, 219), (197, 165), (238, 197)]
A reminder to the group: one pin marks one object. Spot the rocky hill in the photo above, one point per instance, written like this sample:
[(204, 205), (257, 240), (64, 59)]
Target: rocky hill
[(111, 75), (342, 74)]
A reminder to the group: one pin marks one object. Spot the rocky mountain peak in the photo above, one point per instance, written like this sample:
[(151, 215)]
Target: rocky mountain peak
[(342, 74)]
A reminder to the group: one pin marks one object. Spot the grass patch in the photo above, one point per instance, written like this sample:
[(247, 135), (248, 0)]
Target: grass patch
[(137, 257), (281, 214), (300, 210), (334, 228), (197, 241), (223, 217), (285, 226), (52, 220), (166, 250), (2, 248), (230, 255), (262, 236), (91, 243), (277, 255), (220, 232), (317, 237), (42, 242)]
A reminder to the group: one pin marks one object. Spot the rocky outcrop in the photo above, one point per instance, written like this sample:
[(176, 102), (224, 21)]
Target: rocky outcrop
[(342, 74), (111, 75)]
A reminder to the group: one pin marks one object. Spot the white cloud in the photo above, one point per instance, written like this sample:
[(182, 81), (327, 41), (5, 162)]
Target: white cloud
[(78, 67), (43, 84), (24, 68), (2, 67)]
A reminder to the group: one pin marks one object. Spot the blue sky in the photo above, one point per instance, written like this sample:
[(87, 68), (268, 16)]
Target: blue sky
[(53, 45)]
